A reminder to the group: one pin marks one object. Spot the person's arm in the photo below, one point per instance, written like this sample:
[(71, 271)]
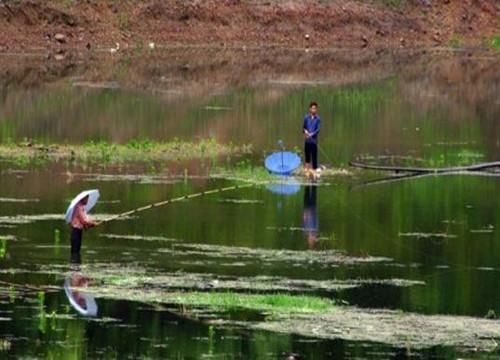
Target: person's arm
[(304, 128), (84, 219), (316, 127)]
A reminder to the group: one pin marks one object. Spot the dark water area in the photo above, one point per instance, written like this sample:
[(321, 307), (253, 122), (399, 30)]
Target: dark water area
[(440, 232)]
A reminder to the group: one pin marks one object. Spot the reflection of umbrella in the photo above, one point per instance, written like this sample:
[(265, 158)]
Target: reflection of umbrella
[(93, 196), (285, 187), (282, 162), (82, 302)]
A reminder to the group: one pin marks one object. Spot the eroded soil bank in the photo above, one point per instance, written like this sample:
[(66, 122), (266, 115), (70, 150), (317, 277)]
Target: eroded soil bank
[(93, 24)]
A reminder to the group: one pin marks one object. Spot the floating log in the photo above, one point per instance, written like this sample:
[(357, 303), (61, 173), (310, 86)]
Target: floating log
[(412, 176), (422, 170)]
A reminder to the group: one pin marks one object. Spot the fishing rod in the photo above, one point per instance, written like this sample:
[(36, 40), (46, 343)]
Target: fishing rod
[(177, 199), (323, 152)]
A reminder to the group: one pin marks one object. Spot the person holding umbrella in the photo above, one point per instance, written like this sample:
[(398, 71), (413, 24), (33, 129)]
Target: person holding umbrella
[(310, 129), (77, 217)]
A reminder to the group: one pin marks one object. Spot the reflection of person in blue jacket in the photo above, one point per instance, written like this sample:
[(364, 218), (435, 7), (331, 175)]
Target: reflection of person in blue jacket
[(311, 224)]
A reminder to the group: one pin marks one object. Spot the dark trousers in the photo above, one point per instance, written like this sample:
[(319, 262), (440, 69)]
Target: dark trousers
[(76, 240), (311, 153)]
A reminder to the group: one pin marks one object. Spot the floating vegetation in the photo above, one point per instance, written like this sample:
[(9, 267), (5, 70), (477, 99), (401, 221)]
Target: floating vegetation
[(135, 277), (485, 230), (5, 345), (423, 235), (268, 303), (239, 201), (485, 268), (310, 316), (481, 231), (137, 237), (138, 178), (7, 238), (133, 151), (27, 219), (324, 257), (223, 301), (395, 328), (16, 200)]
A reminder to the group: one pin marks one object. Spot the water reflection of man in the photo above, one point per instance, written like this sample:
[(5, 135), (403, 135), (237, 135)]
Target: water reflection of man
[(310, 216)]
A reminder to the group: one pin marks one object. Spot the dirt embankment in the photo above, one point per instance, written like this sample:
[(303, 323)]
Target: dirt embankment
[(56, 24)]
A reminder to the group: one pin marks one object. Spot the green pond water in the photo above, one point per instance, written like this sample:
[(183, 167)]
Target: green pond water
[(441, 232)]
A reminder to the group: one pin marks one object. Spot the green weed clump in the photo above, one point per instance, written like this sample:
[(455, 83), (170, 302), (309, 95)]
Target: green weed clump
[(494, 43), (271, 303)]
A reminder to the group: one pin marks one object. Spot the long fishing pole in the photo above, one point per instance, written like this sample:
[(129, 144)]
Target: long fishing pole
[(177, 199), (325, 155)]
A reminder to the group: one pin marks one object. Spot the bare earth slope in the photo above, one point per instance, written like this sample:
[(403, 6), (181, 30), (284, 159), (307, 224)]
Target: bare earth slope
[(33, 24)]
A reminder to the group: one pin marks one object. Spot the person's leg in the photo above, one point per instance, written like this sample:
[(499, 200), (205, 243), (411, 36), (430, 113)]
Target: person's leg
[(76, 240), (75, 258), (307, 155), (314, 155)]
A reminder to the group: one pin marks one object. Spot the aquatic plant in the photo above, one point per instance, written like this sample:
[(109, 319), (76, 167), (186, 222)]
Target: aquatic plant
[(269, 303), (57, 236), (5, 345), (137, 151), (3, 247)]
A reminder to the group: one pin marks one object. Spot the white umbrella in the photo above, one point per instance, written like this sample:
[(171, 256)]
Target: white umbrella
[(93, 197), (82, 302)]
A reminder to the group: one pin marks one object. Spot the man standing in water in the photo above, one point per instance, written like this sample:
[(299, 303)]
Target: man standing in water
[(79, 222), (311, 131)]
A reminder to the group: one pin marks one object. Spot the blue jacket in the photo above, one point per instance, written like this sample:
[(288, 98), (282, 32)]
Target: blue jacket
[(311, 124)]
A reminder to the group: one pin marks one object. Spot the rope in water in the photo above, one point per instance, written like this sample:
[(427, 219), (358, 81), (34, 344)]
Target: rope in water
[(177, 199)]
